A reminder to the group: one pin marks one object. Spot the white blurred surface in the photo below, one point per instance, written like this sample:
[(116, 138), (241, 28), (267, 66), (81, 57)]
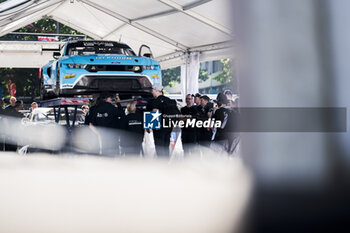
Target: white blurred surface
[(42, 193)]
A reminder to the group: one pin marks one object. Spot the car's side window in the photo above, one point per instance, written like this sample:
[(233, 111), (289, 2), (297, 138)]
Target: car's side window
[(129, 52), (49, 72)]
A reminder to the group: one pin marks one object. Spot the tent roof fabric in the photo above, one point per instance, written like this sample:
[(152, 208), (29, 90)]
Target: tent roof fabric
[(170, 27)]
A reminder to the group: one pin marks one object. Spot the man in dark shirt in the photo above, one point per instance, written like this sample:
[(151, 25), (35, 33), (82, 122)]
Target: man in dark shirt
[(225, 136), (197, 99), (197, 102), (13, 110), (221, 114), (162, 135), (188, 135), (10, 109), (91, 112), (204, 113), (106, 115)]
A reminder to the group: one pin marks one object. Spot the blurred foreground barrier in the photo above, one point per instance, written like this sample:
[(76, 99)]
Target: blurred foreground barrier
[(97, 194)]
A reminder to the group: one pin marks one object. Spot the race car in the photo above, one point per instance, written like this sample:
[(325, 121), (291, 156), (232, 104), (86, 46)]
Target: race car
[(86, 67)]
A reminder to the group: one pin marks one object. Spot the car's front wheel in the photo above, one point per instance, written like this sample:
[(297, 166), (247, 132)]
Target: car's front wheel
[(45, 94)]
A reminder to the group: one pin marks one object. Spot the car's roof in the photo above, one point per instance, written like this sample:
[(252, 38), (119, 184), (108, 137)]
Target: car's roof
[(121, 45)]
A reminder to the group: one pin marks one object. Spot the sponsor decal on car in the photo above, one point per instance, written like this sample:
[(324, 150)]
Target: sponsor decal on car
[(69, 75), (67, 85), (117, 58)]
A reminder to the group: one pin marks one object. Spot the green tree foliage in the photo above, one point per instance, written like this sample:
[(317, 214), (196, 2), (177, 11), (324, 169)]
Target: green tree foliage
[(26, 80), (48, 26), (171, 76), (225, 76), (203, 75)]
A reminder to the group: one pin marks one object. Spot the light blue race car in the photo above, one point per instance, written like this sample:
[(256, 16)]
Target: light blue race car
[(86, 67)]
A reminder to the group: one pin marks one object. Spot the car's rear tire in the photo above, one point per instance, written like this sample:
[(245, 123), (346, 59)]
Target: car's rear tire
[(48, 95), (43, 91)]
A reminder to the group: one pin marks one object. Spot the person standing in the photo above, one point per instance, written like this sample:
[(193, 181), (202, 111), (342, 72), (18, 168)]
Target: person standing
[(81, 117), (197, 99), (161, 136), (131, 142), (34, 105), (228, 94), (11, 107), (219, 134), (107, 116), (92, 110), (188, 135), (204, 113), (93, 133), (19, 107), (225, 137), (85, 109), (13, 101)]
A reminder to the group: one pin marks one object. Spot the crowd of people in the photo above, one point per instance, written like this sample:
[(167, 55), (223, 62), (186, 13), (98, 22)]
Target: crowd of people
[(106, 112), (224, 109)]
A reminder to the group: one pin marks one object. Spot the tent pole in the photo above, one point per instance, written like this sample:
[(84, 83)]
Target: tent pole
[(184, 77)]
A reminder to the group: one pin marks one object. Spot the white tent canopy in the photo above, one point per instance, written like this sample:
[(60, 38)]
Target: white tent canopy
[(172, 28)]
